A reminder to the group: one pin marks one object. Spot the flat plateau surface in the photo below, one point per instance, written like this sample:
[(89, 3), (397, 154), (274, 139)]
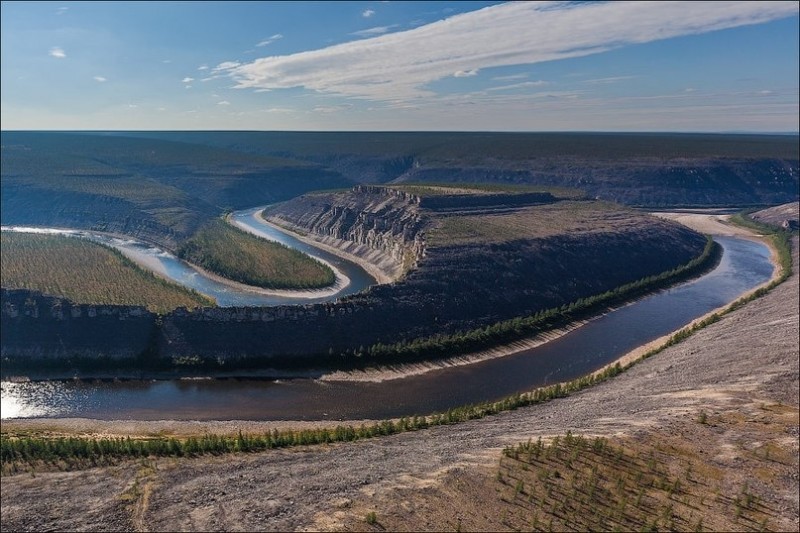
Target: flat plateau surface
[(736, 371)]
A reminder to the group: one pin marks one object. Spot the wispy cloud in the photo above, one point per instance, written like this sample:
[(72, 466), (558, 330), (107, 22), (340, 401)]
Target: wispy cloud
[(187, 79), (371, 32), (226, 65), (57, 53), (510, 77), (399, 65), (520, 85), (282, 110), (465, 73), (100, 79), (202, 67), (223, 102), (607, 81), (61, 10), (331, 108), (367, 13), (269, 40)]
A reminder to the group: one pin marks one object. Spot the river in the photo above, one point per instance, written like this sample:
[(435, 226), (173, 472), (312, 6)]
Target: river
[(351, 278), (745, 264)]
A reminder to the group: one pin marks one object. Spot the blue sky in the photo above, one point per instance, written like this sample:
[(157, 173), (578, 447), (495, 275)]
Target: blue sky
[(526, 66)]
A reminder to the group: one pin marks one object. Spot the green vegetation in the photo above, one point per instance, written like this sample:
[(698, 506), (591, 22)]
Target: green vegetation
[(580, 484), (518, 328), (20, 453), (533, 222), (240, 256), (458, 147), (442, 189), (164, 190), (25, 453), (86, 273)]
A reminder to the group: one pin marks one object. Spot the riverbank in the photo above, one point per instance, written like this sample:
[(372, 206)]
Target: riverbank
[(381, 276), (738, 371), (712, 223)]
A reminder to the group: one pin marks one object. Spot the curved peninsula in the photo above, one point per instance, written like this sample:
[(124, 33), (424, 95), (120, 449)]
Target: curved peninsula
[(463, 260)]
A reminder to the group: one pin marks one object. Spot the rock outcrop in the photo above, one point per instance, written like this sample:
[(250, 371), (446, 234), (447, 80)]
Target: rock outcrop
[(377, 224)]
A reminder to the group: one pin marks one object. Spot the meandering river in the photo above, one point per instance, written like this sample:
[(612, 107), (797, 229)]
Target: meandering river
[(351, 278), (745, 264)]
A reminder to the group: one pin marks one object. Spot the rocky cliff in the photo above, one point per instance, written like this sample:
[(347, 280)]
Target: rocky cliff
[(380, 225)]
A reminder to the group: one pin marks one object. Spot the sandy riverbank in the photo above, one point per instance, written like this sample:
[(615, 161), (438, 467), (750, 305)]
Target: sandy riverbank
[(712, 223), (740, 371), (169, 427)]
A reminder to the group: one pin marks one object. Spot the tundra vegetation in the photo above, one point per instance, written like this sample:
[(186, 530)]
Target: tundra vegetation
[(234, 254), (86, 273), (27, 452)]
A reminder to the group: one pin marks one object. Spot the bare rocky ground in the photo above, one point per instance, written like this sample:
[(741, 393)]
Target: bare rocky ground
[(440, 478)]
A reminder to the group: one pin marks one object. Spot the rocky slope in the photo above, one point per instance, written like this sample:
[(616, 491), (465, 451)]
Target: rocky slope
[(496, 257), (380, 225)]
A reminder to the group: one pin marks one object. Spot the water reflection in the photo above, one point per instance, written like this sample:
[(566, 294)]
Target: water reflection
[(745, 264), (226, 295)]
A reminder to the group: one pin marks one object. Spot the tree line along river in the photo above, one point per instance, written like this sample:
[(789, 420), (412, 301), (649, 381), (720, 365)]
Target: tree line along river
[(745, 264)]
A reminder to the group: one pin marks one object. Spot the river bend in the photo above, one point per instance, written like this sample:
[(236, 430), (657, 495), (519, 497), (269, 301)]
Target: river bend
[(745, 264)]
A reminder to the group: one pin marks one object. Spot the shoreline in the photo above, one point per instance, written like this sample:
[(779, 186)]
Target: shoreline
[(381, 277), (152, 265), (142, 428), (705, 223)]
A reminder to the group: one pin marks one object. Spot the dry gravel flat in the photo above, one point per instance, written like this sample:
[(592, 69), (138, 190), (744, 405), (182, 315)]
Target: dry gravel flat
[(747, 359)]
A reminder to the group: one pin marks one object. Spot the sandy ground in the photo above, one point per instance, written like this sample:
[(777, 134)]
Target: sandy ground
[(735, 366)]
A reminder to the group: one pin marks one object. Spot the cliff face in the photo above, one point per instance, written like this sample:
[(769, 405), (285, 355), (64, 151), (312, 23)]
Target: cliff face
[(380, 225), (41, 327), (477, 262)]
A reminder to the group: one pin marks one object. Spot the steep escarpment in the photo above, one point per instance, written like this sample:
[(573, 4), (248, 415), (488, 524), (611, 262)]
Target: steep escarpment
[(379, 225), (502, 255), (39, 327)]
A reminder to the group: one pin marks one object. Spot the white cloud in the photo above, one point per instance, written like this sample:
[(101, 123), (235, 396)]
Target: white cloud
[(166, 61), (511, 77), (202, 67), (399, 65), (465, 73), (226, 65), (372, 32), (100, 79), (187, 86), (278, 110), (606, 81), (223, 102), (57, 53), (61, 10), (367, 13), (331, 108), (187, 79), (521, 85), (270, 40)]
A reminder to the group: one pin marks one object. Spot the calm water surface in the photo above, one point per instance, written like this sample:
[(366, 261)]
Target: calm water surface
[(226, 295), (745, 264)]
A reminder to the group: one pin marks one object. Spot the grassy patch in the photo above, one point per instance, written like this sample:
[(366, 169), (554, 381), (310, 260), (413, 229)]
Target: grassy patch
[(19, 453), (236, 255), (534, 222), (86, 273), (650, 483)]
